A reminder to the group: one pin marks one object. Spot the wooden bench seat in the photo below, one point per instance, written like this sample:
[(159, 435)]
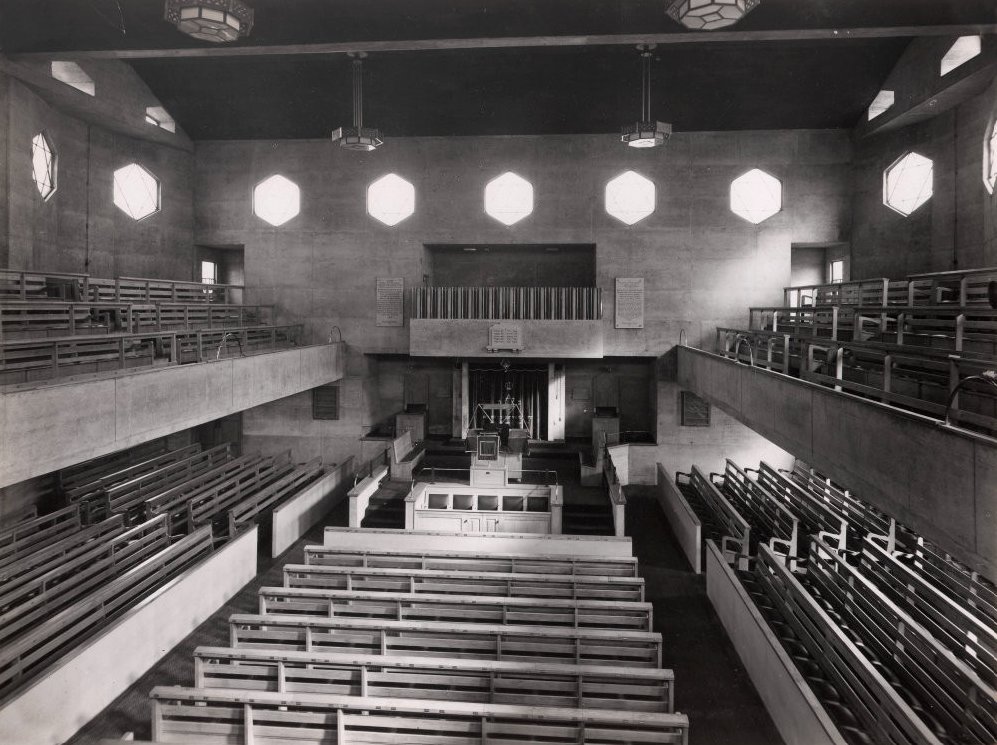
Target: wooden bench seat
[(29, 318), (820, 518), (771, 520), (209, 503), (41, 645), (964, 706), (405, 456), (734, 531), (405, 606), (266, 499), (106, 480), (46, 358), (447, 639), (862, 516), (218, 716), (32, 535), (484, 681), (29, 602), (876, 710), (72, 476), (128, 497), (500, 584), (141, 289), (457, 561)]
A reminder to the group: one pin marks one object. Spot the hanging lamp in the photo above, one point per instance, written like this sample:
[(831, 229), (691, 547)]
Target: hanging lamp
[(707, 15), (358, 137), (646, 132), (217, 21)]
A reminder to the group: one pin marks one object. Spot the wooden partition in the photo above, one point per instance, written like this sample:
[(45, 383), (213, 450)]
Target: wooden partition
[(685, 525), (296, 516)]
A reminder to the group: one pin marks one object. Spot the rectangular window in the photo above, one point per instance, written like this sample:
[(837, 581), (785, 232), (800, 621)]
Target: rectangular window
[(695, 410), (325, 402), (209, 272), (836, 270)]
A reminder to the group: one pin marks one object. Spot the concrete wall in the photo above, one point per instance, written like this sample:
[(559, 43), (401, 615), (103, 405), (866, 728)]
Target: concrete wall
[(940, 481), (79, 228), (702, 264), (44, 429), (955, 229)]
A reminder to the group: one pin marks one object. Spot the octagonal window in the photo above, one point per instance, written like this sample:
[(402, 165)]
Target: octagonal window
[(907, 184), (136, 191), (509, 198), (43, 165), (630, 197), (276, 200), (755, 196), (990, 160), (390, 199)]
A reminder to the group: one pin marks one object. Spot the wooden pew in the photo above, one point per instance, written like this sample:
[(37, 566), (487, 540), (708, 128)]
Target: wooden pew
[(210, 716), (128, 497), (173, 501), (32, 601), (955, 624), (32, 535), (404, 606), (72, 476), (106, 479), (732, 530), (52, 357), (484, 681), (820, 518), (37, 285), (141, 289), (439, 639), (28, 654), (960, 287), (629, 589), (878, 711), (455, 561), (944, 692), (771, 520), (31, 318), (216, 500), (264, 500), (862, 516), (405, 456)]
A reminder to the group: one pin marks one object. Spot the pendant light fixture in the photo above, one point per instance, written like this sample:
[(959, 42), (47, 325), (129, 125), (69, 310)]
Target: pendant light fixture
[(707, 15), (217, 21), (646, 132), (358, 137)]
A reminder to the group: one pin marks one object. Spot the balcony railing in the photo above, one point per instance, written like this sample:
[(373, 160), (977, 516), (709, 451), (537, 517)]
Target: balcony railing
[(507, 303)]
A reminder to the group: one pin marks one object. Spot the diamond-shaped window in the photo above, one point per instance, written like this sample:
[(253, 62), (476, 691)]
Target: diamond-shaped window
[(136, 191), (907, 184), (961, 52), (630, 197), (276, 200), (390, 199), (509, 198), (44, 167), (755, 196)]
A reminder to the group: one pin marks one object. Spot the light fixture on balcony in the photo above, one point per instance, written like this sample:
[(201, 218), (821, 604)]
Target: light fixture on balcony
[(706, 15), (211, 20), (646, 132), (358, 137)]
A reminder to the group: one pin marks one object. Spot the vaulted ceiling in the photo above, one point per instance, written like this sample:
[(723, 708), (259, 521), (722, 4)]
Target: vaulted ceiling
[(463, 67)]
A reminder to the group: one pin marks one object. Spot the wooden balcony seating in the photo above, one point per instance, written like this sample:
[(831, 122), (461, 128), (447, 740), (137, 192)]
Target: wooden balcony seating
[(37, 533), (721, 520)]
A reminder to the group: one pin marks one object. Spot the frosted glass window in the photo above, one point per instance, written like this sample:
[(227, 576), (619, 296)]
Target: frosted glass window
[(964, 49), (881, 103), (990, 160), (836, 270), (209, 272), (136, 191), (43, 165), (72, 74), (509, 198), (755, 196), (276, 200), (630, 197), (907, 184), (390, 199)]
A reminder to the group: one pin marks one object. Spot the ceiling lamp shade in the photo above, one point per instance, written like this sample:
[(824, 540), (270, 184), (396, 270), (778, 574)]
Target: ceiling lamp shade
[(358, 137), (706, 15), (646, 132), (217, 21)]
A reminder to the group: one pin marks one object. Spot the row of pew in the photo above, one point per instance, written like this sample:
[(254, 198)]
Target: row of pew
[(53, 325), (381, 645), (934, 358), (132, 521), (897, 640)]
